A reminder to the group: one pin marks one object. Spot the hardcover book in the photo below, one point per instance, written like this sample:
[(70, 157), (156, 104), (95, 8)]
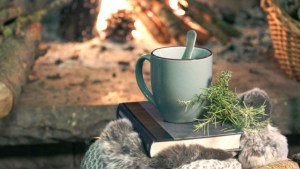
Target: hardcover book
[(157, 134)]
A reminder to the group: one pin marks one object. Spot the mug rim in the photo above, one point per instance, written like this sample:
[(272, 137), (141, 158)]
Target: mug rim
[(209, 55)]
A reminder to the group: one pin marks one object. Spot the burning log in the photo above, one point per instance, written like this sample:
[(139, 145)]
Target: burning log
[(212, 28), (16, 58), (210, 16), (162, 22), (152, 22), (175, 26), (207, 18)]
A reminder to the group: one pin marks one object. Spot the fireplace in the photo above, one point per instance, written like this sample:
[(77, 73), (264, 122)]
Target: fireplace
[(82, 70), (102, 67)]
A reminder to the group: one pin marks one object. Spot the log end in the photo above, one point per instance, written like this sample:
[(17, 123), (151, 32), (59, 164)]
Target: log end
[(34, 32), (6, 100)]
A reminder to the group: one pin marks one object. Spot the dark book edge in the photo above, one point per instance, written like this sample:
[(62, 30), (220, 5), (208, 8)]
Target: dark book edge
[(149, 123), (144, 113), (186, 128), (146, 137), (128, 110)]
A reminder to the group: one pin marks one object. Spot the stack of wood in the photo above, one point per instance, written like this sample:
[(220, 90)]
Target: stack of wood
[(16, 15), (164, 25), (19, 34)]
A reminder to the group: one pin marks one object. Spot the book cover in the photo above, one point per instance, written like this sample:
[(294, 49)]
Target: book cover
[(156, 134)]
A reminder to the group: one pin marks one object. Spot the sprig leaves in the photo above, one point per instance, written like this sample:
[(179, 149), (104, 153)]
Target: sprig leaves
[(224, 106)]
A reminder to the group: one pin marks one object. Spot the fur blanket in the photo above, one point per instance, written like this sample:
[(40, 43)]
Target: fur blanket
[(259, 149), (119, 146)]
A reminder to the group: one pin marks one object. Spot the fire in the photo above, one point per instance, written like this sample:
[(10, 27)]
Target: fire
[(106, 9), (178, 7), (109, 7), (174, 4), (137, 33)]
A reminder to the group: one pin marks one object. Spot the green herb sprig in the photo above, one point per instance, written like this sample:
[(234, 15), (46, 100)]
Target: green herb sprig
[(224, 106)]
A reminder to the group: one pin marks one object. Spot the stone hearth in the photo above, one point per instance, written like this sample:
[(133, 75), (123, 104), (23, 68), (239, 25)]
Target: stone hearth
[(74, 88)]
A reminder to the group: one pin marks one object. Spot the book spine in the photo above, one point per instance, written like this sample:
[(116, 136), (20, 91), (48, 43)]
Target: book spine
[(151, 124), (145, 136)]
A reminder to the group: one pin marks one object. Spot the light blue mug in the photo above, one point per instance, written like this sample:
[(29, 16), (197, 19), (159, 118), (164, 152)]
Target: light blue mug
[(174, 79)]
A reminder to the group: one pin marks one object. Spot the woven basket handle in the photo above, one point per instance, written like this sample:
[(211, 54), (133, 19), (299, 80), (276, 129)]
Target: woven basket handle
[(271, 9), (280, 17), (265, 4)]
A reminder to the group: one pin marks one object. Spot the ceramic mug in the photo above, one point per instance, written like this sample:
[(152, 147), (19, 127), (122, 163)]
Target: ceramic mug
[(174, 79)]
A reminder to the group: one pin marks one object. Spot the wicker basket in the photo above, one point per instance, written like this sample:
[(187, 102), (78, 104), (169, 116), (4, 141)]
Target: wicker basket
[(285, 32)]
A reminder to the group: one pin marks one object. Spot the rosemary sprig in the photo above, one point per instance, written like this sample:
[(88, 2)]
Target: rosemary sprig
[(224, 106)]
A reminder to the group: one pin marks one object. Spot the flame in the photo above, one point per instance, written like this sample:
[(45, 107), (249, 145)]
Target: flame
[(109, 7), (174, 4), (137, 33), (106, 9)]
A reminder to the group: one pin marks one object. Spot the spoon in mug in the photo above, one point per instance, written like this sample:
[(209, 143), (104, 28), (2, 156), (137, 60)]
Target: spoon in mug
[(191, 36)]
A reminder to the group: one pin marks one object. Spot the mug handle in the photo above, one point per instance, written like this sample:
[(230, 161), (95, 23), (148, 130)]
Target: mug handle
[(140, 79)]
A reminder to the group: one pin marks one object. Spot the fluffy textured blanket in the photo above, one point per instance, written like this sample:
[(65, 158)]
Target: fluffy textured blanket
[(119, 146)]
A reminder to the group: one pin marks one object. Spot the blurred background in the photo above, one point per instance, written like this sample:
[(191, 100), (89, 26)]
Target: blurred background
[(66, 64)]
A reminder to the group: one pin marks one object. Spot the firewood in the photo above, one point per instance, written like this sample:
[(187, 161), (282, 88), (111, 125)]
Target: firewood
[(9, 13), (16, 58), (153, 24), (212, 28), (157, 31), (209, 15), (11, 9), (204, 16), (176, 26), (19, 25), (6, 100)]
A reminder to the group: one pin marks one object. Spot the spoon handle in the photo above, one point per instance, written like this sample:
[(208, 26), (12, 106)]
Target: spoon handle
[(190, 43)]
